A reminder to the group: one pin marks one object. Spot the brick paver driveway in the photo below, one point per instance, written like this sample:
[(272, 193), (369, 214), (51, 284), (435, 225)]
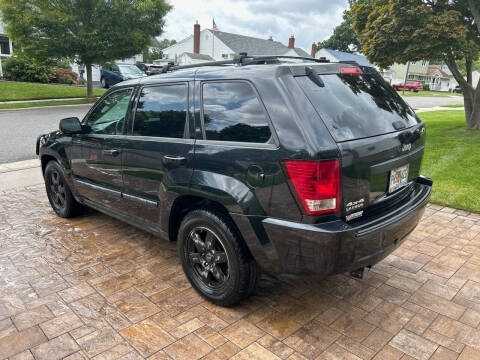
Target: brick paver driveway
[(96, 288)]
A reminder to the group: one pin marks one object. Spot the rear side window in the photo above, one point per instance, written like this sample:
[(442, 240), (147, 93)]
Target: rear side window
[(358, 106), (161, 111), (232, 112)]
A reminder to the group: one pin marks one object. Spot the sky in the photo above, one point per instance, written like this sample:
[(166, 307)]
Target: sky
[(308, 20)]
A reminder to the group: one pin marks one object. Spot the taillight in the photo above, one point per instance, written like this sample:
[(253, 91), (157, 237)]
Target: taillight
[(350, 71), (317, 184)]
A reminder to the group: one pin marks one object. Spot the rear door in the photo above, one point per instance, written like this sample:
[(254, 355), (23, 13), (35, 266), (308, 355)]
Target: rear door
[(236, 151), (158, 153), (380, 138)]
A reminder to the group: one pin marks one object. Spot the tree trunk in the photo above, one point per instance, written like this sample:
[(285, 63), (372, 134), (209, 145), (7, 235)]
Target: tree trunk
[(471, 97), (473, 121), (89, 82)]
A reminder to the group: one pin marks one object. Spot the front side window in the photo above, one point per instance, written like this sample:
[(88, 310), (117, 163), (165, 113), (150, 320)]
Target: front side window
[(162, 111), (232, 112), (108, 117)]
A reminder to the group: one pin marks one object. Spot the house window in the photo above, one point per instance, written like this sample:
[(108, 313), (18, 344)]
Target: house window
[(225, 56), (4, 45)]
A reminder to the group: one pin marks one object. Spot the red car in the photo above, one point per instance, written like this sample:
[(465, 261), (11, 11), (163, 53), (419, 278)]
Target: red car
[(410, 86)]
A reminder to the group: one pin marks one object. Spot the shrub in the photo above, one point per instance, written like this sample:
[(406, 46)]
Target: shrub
[(65, 76), (426, 87), (22, 68), (63, 64)]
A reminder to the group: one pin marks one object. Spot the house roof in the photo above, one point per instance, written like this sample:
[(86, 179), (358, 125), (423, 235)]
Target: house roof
[(255, 46), (433, 70), (198, 56), (344, 56)]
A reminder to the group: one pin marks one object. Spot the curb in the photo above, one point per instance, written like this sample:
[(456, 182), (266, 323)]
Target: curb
[(47, 107)]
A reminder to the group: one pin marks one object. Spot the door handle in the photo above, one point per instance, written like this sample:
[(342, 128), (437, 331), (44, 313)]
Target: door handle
[(113, 152), (174, 158)]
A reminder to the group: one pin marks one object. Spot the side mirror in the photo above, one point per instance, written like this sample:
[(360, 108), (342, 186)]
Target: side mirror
[(70, 125)]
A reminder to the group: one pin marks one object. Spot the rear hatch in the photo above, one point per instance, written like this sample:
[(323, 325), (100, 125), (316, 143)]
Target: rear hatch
[(379, 137)]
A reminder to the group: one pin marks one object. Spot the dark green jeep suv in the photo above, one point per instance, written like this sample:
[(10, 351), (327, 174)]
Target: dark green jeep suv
[(291, 166)]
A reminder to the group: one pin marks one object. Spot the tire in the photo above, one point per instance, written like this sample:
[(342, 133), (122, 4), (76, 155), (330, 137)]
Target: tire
[(412, 90), (217, 263), (104, 83), (58, 192)]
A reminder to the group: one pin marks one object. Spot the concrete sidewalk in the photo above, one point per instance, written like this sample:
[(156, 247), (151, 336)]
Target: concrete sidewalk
[(20, 174)]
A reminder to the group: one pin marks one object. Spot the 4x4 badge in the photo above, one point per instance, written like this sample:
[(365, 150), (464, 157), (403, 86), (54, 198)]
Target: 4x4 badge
[(353, 205)]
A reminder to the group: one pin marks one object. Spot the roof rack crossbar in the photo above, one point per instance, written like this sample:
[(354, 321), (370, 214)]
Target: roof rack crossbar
[(242, 59)]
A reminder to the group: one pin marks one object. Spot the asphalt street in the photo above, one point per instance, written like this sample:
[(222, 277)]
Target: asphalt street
[(418, 102), (20, 128)]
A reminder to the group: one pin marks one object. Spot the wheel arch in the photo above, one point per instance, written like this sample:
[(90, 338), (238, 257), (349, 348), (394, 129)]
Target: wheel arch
[(187, 203)]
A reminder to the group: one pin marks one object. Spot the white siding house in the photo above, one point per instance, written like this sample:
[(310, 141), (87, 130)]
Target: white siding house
[(220, 45), (6, 46)]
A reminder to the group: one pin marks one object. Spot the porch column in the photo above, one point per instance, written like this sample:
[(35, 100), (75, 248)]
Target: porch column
[(10, 45)]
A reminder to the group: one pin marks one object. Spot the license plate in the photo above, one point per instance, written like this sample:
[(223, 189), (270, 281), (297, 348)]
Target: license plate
[(398, 178)]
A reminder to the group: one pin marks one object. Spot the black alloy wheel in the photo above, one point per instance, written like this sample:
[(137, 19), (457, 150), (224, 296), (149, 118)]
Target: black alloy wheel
[(208, 257), (58, 192), (215, 258)]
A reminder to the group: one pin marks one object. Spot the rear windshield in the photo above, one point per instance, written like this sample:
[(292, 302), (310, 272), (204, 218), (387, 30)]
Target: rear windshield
[(358, 106)]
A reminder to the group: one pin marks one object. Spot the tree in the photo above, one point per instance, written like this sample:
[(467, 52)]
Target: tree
[(344, 38), (88, 31), (154, 51), (411, 30)]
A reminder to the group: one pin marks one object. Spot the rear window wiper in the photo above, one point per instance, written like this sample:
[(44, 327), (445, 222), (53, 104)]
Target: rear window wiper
[(312, 75)]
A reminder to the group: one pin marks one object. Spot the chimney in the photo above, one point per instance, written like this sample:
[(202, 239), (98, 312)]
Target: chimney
[(291, 42), (196, 38), (270, 38), (314, 50)]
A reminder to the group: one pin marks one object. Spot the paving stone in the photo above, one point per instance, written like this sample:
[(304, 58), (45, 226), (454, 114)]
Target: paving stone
[(147, 337), (242, 333), (54, 349), (96, 288), (17, 342), (413, 345), (137, 308), (189, 347), (61, 324)]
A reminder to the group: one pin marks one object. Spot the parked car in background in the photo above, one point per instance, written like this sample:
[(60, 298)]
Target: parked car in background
[(142, 66), (458, 90), (154, 69), (112, 74), (413, 86), (289, 167)]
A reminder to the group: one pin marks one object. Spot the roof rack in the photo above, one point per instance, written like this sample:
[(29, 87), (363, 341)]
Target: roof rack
[(242, 59)]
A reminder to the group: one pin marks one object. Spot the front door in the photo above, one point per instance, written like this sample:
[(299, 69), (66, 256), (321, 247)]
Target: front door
[(158, 154), (95, 155)]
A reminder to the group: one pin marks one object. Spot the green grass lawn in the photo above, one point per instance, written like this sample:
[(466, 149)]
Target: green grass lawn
[(29, 104), (452, 157), (10, 90), (429, 93)]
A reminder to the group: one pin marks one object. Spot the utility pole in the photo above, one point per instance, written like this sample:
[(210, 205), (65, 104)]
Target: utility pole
[(406, 77)]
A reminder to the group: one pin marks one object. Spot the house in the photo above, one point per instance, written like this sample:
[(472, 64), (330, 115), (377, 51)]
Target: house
[(336, 56), (220, 45), (188, 58), (437, 76), (6, 45)]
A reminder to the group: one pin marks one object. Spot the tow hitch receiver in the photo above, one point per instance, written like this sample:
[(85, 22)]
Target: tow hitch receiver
[(358, 274)]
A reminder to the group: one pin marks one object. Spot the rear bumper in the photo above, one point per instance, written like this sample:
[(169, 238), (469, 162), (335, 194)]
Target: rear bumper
[(334, 247)]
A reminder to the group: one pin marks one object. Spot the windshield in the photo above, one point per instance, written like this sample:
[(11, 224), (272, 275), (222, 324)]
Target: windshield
[(130, 70), (358, 106)]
